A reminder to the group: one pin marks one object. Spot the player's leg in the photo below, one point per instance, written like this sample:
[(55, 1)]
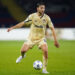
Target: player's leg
[(24, 49), (44, 48)]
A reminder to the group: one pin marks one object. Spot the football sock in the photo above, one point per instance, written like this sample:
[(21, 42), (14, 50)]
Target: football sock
[(44, 63), (22, 54)]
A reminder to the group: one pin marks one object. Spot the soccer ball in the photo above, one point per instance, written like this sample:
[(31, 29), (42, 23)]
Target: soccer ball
[(37, 65)]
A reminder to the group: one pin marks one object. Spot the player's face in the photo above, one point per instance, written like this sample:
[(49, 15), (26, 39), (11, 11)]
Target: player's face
[(41, 9)]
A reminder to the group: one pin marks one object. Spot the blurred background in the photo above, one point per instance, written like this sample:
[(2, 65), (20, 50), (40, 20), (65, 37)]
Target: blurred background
[(62, 13)]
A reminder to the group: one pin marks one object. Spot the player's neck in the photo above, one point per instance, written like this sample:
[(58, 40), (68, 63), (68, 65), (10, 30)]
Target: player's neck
[(39, 14)]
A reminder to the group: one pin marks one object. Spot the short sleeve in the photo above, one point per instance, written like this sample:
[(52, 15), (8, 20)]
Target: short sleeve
[(28, 20), (49, 22)]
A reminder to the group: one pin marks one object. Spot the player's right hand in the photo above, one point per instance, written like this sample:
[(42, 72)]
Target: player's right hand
[(56, 44), (9, 29)]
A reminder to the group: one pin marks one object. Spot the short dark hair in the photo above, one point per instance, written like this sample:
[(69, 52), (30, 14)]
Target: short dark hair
[(41, 3)]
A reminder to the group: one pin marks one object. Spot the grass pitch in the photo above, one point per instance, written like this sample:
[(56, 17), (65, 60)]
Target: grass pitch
[(61, 61)]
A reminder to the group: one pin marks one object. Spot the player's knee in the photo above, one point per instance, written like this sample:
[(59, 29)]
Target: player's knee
[(44, 48), (45, 51)]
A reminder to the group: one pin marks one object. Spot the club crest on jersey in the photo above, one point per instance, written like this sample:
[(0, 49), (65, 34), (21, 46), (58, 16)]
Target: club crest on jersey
[(44, 20), (35, 20)]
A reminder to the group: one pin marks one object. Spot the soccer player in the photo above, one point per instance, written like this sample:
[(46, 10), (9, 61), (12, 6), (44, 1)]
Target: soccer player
[(38, 21)]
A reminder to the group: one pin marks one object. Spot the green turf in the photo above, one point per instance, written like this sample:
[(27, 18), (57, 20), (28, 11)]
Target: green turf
[(60, 61)]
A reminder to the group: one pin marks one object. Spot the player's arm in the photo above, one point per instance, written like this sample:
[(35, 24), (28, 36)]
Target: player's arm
[(21, 24), (54, 35), (53, 32)]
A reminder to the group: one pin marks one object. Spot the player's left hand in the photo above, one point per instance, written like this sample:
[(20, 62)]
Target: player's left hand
[(56, 44)]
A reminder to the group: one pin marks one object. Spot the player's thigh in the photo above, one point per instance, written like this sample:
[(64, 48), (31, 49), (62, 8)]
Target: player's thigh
[(25, 47), (43, 45)]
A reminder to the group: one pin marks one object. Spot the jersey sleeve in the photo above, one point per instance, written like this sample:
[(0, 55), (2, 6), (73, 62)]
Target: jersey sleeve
[(28, 20), (49, 22)]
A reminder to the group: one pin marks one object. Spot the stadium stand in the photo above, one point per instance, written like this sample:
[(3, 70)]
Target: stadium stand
[(62, 12)]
